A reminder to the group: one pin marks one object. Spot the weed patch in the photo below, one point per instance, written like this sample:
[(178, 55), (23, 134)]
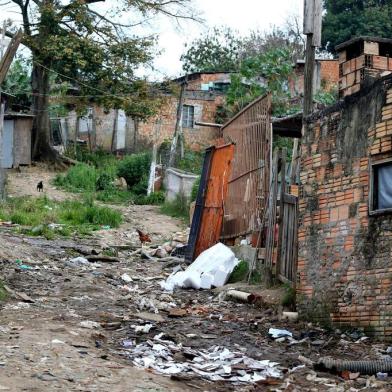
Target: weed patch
[(44, 217), (179, 208), (239, 273)]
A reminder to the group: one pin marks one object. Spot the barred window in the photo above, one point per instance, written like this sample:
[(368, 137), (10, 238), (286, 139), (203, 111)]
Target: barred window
[(188, 116)]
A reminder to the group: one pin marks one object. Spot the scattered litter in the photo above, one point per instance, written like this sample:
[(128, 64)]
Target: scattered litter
[(18, 306), (128, 343), (77, 261), (126, 278), (215, 364), (157, 318), (279, 333), (57, 341), (291, 316), (382, 376), (212, 268), (177, 312), (23, 266), (89, 324), (142, 328)]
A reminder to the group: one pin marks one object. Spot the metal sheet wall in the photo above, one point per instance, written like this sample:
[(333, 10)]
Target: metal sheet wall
[(250, 130)]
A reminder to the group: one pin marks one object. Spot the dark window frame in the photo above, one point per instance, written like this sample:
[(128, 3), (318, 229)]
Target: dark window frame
[(373, 188), (188, 121)]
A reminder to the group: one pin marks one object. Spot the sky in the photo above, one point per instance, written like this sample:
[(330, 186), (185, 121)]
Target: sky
[(243, 16)]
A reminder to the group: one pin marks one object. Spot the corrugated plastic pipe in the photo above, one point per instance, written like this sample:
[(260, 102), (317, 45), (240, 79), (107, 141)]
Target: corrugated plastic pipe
[(363, 367)]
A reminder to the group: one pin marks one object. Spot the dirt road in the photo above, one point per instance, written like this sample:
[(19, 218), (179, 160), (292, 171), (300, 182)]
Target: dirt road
[(72, 325)]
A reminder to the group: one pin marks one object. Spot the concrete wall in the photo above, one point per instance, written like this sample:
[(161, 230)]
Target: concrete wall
[(178, 182), (344, 263)]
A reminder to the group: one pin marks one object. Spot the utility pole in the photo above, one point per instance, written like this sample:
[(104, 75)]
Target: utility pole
[(178, 129), (312, 30), (2, 109)]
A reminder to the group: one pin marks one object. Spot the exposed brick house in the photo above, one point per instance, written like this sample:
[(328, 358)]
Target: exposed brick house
[(345, 231), (204, 95), (326, 76)]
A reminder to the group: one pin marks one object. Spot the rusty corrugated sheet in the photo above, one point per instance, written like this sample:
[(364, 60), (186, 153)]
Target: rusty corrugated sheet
[(250, 130), (210, 226)]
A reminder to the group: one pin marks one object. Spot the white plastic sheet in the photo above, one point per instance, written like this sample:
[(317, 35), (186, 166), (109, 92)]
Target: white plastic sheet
[(212, 268)]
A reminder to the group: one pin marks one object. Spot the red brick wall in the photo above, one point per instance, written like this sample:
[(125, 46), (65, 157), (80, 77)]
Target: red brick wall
[(329, 72), (344, 263), (196, 138)]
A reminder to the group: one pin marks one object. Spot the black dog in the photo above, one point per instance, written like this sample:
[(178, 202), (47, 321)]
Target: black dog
[(40, 186)]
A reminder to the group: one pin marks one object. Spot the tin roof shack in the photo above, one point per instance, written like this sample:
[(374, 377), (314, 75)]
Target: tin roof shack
[(345, 230), (17, 139)]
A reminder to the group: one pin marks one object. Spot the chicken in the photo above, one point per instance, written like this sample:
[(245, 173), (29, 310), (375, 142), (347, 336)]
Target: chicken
[(143, 237)]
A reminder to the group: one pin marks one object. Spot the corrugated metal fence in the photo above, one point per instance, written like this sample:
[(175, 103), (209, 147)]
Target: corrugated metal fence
[(250, 130)]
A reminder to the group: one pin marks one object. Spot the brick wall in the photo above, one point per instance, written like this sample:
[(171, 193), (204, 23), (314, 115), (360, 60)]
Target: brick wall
[(196, 138), (344, 263)]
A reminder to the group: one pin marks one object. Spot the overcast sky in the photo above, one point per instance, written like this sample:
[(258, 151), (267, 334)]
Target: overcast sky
[(241, 15)]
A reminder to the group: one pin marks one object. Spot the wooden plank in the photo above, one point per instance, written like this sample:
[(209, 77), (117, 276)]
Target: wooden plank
[(290, 199), (9, 55)]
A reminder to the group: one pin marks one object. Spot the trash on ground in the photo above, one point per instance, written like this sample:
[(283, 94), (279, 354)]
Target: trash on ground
[(279, 333), (79, 261), (157, 318), (142, 328), (291, 316), (212, 268), (89, 324), (126, 278), (215, 364)]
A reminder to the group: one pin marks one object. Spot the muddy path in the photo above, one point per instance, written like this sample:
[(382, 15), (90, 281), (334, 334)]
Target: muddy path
[(74, 326)]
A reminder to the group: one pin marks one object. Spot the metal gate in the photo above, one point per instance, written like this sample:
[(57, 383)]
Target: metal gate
[(208, 217), (250, 131)]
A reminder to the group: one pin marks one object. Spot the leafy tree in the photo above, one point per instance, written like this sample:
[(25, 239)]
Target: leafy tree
[(218, 50), (267, 72), (18, 83), (94, 52), (345, 19)]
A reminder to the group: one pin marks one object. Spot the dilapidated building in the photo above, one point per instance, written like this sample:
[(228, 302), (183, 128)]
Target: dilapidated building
[(345, 205)]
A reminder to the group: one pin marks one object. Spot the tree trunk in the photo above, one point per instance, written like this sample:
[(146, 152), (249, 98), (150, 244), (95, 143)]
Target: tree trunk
[(42, 149)]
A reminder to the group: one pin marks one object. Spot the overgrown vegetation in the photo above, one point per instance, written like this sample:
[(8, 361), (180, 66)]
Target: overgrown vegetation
[(3, 292), (42, 216), (178, 208), (239, 273), (288, 299), (97, 173)]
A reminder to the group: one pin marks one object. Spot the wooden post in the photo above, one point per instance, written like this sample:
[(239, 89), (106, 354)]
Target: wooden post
[(312, 29), (178, 128), (114, 133), (151, 181)]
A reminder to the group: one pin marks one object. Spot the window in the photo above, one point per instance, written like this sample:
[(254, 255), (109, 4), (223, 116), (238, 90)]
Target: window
[(188, 116), (381, 187)]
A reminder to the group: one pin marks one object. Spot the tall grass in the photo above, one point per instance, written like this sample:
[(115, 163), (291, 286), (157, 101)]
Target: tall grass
[(178, 208), (74, 216)]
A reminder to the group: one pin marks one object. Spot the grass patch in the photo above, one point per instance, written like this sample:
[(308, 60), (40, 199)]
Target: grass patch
[(239, 273), (44, 217), (3, 292), (289, 297), (179, 208)]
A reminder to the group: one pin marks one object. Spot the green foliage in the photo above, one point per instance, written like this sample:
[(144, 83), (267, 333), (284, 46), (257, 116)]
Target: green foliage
[(155, 198), (239, 273), (179, 208), (79, 178), (192, 162), (104, 182), (274, 67), (3, 292), (195, 189), (18, 83), (289, 297), (135, 170), (326, 98), (345, 19), (37, 214), (218, 50)]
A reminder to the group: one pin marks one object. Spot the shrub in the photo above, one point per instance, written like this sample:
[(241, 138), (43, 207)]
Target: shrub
[(179, 208), (239, 273), (154, 199), (104, 182), (135, 170), (195, 189), (192, 162), (81, 177)]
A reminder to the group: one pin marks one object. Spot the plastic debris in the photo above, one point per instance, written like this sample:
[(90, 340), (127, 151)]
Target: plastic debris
[(89, 324), (23, 266), (279, 333), (79, 261), (215, 364), (212, 268), (126, 278), (142, 328)]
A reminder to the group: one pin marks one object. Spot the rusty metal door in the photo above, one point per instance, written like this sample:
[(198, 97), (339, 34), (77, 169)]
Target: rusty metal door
[(215, 190)]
